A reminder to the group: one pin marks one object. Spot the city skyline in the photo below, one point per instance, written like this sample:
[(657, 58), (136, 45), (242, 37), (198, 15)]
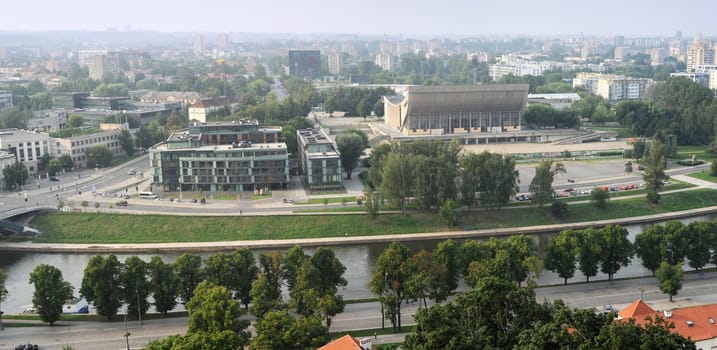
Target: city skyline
[(372, 17)]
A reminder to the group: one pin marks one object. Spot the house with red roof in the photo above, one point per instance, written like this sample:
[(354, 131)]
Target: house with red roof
[(348, 342), (694, 322)]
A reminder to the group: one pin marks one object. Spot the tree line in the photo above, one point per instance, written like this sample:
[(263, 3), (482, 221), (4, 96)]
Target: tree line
[(232, 283), (430, 173)]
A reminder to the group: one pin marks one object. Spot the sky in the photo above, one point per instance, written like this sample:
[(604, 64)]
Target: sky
[(389, 17)]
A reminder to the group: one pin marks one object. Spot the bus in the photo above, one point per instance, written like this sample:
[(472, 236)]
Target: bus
[(147, 195)]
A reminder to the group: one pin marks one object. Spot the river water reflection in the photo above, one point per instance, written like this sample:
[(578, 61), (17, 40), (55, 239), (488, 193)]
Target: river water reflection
[(358, 259)]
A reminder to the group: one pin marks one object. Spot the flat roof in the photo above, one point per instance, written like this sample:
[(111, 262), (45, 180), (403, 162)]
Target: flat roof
[(314, 136), (238, 147)]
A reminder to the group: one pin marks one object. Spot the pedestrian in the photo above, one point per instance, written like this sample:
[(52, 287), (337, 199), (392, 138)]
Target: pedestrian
[(375, 336)]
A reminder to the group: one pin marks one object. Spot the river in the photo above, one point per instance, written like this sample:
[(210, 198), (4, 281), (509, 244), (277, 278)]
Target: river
[(358, 259)]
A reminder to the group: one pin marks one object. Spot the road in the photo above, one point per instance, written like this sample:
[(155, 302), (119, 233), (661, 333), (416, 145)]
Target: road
[(697, 289)]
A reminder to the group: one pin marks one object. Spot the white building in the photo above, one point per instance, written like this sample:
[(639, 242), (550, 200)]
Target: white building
[(385, 61), (77, 146), (84, 56), (47, 120), (612, 87), (26, 146), (497, 71), (335, 63), (712, 70)]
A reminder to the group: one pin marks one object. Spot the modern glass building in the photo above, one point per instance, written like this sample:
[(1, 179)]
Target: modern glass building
[(305, 63), (319, 160), (236, 156)]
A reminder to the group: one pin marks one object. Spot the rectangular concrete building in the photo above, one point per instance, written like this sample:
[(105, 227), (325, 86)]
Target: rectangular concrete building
[(319, 160)]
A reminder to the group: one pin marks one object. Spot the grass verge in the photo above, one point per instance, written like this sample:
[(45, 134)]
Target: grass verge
[(703, 176), (349, 200), (116, 228)]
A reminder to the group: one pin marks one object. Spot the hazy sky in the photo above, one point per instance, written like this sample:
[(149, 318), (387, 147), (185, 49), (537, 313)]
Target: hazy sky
[(393, 17)]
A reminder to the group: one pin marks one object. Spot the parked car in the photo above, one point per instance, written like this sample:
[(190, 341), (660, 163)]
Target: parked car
[(571, 181), (122, 204), (640, 167), (132, 172), (569, 189), (54, 178)]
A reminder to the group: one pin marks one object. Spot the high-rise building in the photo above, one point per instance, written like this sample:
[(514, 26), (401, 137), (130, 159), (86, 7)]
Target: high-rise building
[(305, 63), (700, 52), (85, 56), (198, 45), (385, 61), (99, 65), (612, 87), (335, 63)]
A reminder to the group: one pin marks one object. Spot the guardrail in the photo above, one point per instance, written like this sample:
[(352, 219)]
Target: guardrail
[(23, 210)]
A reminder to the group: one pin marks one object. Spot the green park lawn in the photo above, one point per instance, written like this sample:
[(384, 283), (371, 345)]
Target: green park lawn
[(117, 228), (704, 176)]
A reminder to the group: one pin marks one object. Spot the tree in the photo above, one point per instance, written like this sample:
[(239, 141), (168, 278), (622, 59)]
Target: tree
[(263, 296), (164, 285), (101, 284), (213, 310), (449, 213), (542, 184), (66, 162), (14, 118), (599, 198), (559, 210), (589, 251), (75, 121), (15, 175), (98, 155), (491, 316), (293, 259), (650, 247), (126, 142), (350, 147), (280, 331), (51, 291), (189, 273), (330, 269), (616, 249), (390, 274), (698, 243), (448, 253), (397, 179), (561, 255), (243, 261), (654, 173), (135, 286), (669, 278)]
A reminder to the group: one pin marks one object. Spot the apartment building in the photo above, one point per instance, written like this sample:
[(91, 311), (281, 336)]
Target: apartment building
[(612, 87), (26, 146), (223, 156), (319, 160), (77, 146)]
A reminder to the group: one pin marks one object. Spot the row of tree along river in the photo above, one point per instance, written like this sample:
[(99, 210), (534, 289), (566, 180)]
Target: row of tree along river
[(358, 259)]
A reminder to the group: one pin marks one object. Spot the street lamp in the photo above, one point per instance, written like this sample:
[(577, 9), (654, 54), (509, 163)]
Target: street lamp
[(383, 314)]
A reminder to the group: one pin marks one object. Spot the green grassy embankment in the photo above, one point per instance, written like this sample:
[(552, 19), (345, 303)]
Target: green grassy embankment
[(116, 228)]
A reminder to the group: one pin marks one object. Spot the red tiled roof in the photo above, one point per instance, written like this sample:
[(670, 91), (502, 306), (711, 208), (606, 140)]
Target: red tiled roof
[(346, 342), (635, 309), (703, 319)]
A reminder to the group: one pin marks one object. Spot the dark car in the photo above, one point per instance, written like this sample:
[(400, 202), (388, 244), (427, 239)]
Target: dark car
[(54, 178), (640, 167), (122, 204)]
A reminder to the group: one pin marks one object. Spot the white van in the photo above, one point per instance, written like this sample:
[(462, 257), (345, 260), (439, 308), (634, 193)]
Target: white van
[(147, 195)]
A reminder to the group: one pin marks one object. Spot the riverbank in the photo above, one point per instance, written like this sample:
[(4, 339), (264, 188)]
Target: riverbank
[(198, 247)]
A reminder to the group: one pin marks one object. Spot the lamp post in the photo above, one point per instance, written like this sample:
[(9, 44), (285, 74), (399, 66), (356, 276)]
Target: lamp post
[(383, 314), (126, 331), (139, 308)]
